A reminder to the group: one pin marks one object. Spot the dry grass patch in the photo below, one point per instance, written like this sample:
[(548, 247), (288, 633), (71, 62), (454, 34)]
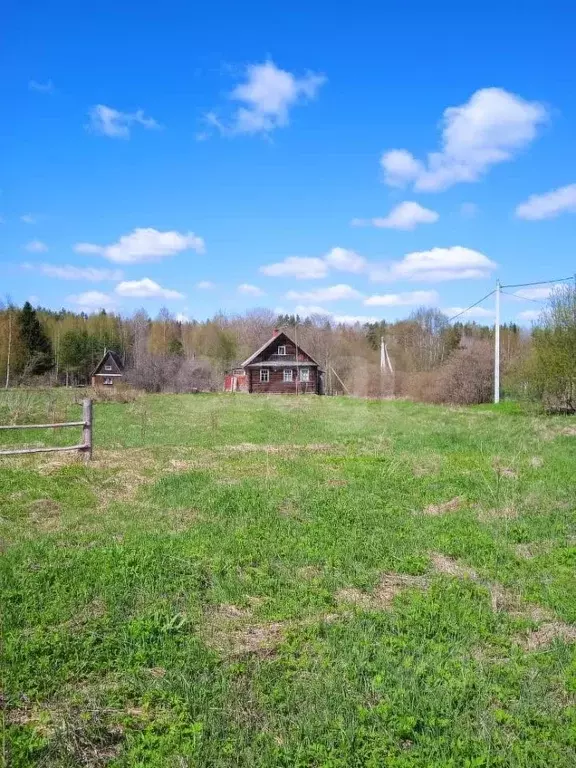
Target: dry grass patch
[(448, 506), (450, 567), (546, 634), (382, 597), (497, 513)]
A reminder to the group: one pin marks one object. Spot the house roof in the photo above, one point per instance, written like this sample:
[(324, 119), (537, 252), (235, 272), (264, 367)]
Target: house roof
[(115, 357), (283, 364), (265, 346)]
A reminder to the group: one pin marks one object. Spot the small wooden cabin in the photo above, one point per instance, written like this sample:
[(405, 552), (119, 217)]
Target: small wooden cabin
[(280, 367), (109, 371)]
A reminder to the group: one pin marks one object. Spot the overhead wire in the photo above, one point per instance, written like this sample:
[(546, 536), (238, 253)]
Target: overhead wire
[(471, 306), (539, 282)]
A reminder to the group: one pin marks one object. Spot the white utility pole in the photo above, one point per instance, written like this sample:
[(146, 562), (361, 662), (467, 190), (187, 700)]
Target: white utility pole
[(382, 354), (497, 346), (9, 347)]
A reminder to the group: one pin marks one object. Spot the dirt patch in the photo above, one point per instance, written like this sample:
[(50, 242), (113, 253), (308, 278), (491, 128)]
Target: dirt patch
[(272, 448), (309, 572), (505, 513), (441, 509), (450, 567), (568, 431), (288, 508), (390, 585), (336, 483), (45, 514), (546, 634), (536, 462)]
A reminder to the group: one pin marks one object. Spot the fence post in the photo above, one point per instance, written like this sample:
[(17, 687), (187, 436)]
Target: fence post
[(87, 428)]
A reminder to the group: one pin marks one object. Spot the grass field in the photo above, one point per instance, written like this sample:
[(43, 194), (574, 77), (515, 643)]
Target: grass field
[(246, 581)]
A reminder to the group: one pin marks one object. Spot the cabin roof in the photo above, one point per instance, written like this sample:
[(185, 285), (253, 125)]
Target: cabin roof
[(265, 346), (115, 357)]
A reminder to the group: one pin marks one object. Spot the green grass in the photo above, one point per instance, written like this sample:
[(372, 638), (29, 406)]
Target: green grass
[(211, 589)]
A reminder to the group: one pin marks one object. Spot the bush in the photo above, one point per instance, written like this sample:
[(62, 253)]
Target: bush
[(171, 373)]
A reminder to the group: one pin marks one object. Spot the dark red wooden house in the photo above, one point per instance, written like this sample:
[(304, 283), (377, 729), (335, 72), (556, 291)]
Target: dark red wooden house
[(280, 367)]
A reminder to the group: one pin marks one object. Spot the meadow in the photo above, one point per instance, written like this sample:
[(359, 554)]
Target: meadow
[(278, 581)]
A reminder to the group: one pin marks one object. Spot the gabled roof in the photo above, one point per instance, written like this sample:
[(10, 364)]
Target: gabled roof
[(265, 346), (115, 357)]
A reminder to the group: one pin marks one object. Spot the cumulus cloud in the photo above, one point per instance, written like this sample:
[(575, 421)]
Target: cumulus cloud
[(309, 311), (47, 87), (146, 289), (91, 301), (205, 285), (405, 216), (300, 267), (490, 128), (144, 244), (411, 298), (345, 260), (250, 290), (182, 318), (541, 292), (469, 210), (313, 267), (549, 205), (90, 274), (474, 312), (331, 293), (28, 218), (529, 315), (115, 124), (266, 96), (36, 246), (436, 265)]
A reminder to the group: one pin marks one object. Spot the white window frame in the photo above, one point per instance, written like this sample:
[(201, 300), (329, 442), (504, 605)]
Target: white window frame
[(287, 375), (264, 375), (108, 381), (281, 350), (107, 367), (305, 375)]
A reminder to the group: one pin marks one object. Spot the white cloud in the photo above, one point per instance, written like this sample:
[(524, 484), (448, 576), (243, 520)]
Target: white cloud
[(300, 267), (68, 272), (402, 299), (345, 260), (115, 124), (549, 205), (469, 210), (182, 318), (437, 264), (488, 129), (537, 292), (144, 244), (308, 311), (28, 218), (205, 285), (250, 290), (146, 289), (36, 246), (47, 87), (474, 312), (332, 293), (266, 96), (529, 314), (405, 216), (93, 300)]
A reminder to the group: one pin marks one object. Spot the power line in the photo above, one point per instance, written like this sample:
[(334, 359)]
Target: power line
[(525, 298), (471, 306), (540, 282)]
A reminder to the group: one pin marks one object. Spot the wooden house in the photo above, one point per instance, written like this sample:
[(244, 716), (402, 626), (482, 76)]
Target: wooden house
[(109, 371), (280, 367)]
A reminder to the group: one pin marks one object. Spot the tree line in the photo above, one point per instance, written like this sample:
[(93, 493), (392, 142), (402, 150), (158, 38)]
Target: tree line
[(433, 359)]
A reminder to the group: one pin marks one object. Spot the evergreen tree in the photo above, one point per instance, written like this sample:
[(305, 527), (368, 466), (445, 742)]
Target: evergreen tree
[(39, 355)]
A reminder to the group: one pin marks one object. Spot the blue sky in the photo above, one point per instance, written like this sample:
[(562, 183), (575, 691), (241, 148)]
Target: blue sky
[(361, 160)]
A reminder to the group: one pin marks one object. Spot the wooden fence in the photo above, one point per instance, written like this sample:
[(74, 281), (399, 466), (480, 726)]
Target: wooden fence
[(85, 447)]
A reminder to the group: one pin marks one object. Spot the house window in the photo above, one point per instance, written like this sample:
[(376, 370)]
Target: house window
[(282, 350), (264, 375), (107, 367), (305, 374), (288, 374), (108, 381)]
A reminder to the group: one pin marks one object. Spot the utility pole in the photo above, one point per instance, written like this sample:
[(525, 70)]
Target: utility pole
[(497, 346), (9, 347)]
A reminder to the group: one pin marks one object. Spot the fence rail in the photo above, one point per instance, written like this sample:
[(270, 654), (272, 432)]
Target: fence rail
[(85, 447)]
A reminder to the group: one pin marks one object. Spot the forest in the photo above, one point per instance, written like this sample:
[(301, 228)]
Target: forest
[(433, 360)]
